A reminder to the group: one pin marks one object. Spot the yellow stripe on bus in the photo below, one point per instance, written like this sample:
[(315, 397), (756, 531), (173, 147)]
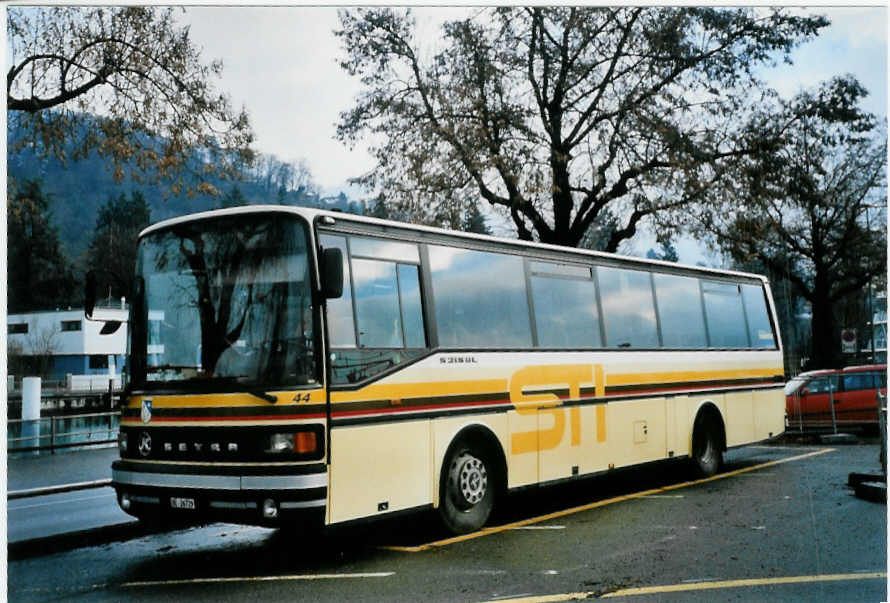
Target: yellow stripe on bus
[(616, 379), (316, 396), (387, 391)]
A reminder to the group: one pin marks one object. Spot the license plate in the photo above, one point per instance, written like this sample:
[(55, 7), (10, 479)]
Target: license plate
[(182, 503)]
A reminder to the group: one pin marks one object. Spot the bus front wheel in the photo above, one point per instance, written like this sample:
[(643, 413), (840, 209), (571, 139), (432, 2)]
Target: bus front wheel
[(468, 488), (707, 448)]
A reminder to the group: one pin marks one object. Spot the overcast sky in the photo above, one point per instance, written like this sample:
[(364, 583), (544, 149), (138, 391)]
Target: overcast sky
[(281, 64)]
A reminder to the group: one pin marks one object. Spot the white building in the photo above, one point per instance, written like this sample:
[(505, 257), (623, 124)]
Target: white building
[(72, 343), (878, 326)]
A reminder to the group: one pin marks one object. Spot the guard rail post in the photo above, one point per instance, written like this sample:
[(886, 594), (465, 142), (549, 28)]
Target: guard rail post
[(831, 403), (882, 420)]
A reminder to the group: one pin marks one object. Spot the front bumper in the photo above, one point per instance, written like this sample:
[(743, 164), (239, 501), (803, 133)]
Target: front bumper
[(250, 494)]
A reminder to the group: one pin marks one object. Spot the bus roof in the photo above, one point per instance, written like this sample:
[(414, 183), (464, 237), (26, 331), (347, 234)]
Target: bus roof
[(311, 213)]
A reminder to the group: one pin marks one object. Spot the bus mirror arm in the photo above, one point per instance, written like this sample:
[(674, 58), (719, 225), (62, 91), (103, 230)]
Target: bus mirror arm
[(89, 295), (89, 306), (332, 273)]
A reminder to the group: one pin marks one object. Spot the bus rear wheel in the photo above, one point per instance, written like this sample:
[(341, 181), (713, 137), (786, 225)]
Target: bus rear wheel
[(707, 449), (468, 488)]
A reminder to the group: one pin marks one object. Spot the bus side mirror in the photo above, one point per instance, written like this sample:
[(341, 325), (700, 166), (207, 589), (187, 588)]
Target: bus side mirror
[(332, 273), (110, 327), (89, 294)]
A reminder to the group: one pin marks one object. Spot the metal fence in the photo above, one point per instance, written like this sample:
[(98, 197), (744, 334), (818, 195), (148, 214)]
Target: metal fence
[(54, 433)]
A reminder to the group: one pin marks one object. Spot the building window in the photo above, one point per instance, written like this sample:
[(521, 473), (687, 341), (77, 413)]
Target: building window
[(18, 328), (70, 325), (99, 361)]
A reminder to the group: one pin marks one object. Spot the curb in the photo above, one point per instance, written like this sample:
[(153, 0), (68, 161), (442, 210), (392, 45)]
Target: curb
[(99, 483), (838, 438), (45, 545)]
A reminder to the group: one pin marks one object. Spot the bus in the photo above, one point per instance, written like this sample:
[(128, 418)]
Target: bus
[(297, 366)]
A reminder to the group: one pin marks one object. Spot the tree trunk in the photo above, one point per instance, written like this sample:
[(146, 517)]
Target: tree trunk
[(826, 341)]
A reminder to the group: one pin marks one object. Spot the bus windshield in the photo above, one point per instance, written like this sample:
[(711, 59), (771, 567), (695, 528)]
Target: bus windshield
[(224, 301)]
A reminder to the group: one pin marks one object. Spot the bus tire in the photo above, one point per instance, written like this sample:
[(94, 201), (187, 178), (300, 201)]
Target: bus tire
[(707, 447), (467, 491)]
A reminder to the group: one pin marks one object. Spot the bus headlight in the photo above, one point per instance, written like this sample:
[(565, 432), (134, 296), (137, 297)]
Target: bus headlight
[(300, 442), (122, 441)]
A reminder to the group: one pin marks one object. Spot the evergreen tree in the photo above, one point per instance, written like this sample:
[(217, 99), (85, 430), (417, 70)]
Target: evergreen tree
[(39, 277), (234, 198), (474, 221), (668, 253), (113, 250), (379, 210)]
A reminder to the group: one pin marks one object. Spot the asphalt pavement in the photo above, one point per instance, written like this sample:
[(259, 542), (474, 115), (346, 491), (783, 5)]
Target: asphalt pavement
[(778, 523), (44, 470), (46, 519)]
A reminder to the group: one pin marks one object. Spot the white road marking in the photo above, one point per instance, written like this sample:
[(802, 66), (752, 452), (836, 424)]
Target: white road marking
[(538, 528), (260, 579)]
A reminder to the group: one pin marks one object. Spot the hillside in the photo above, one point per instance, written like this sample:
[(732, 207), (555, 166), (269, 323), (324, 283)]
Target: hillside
[(79, 188)]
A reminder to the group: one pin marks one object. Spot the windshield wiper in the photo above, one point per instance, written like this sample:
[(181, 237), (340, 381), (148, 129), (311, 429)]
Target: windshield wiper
[(230, 380), (262, 395)]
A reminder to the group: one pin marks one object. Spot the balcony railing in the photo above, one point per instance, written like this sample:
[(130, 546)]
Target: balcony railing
[(54, 433)]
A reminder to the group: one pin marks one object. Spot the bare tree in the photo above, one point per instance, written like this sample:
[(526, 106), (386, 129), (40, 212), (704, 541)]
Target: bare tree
[(555, 115), (41, 346)]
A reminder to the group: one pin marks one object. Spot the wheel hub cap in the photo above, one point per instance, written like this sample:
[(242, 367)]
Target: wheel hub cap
[(472, 479)]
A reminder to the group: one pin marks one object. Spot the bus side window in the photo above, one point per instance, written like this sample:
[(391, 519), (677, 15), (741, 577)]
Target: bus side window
[(628, 308), (725, 315), (759, 326), (341, 326), (377, 304), (564, 299), (480, 299), (680, 311), (412, 310)]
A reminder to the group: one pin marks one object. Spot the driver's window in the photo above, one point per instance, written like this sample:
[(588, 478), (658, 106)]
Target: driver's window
[(378, 323)]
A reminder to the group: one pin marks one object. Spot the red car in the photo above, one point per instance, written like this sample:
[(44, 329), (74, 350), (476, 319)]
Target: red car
[(853, 390)]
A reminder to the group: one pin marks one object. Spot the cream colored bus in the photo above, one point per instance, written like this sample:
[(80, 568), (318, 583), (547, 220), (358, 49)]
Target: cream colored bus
[(289, 364)]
